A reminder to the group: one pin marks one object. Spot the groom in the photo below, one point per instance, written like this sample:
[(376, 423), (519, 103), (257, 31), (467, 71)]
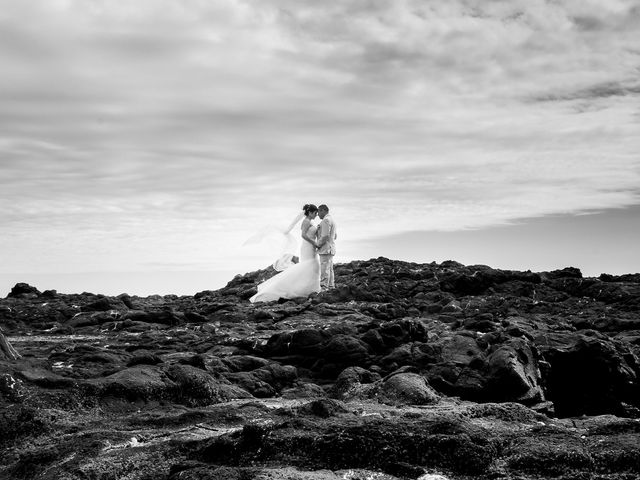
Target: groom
[(326, 247)]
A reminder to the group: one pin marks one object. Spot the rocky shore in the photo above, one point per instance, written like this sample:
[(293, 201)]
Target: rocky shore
[(404, 371)]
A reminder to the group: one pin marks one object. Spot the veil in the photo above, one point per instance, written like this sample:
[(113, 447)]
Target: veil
[(281, 240)]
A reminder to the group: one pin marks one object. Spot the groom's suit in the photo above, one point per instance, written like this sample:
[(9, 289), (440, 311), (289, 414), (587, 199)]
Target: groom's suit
[(327, 251)]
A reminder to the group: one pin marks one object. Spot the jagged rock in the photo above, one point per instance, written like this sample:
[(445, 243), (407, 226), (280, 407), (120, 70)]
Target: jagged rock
[(513, 373), (567, 272), (110, 385), (23, 290)]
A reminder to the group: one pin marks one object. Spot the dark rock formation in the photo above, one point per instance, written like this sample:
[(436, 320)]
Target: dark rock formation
[(402, 370), (23, 290)]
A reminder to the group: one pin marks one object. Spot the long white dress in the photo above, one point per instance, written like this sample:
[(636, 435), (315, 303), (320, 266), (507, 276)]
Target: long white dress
[(299, 280)]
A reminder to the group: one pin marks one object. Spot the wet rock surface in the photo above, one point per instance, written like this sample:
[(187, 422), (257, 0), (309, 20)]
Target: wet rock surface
[(404, 371)]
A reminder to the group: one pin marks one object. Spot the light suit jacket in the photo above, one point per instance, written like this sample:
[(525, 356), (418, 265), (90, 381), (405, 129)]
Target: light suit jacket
[(328, 228)]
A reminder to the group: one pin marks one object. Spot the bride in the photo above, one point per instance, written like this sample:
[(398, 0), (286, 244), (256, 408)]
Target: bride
[(300, 279)]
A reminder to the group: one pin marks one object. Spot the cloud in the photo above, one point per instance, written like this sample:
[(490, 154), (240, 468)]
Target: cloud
[(151, 131), (600, 90)]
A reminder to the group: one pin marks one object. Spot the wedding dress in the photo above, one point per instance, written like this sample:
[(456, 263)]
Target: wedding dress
[(298, 280)]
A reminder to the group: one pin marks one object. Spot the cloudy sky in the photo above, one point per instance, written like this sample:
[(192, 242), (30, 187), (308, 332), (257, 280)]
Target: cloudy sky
[(142, 142)]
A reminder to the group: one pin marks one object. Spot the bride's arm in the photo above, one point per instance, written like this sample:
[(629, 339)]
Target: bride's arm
[(306, 224)]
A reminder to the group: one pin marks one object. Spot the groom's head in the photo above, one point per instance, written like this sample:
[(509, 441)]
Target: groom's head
[(323, 210)]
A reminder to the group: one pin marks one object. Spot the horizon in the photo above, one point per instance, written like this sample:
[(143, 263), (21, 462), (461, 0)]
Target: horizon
[(567, 230), (144, 143)]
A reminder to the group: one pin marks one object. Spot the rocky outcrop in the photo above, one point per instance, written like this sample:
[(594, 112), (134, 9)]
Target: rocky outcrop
[(419, 369), (23, 290)]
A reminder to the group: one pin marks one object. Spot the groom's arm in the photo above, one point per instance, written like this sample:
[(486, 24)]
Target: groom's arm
[(325, 229)]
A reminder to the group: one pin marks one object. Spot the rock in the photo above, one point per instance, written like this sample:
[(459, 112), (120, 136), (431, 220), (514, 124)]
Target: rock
[(349, 383), (481, 323), (547, 454), (144, 358), (276, 375), (303, 390), (592, 376), (567, 272), (250, 382), (307, 342), (513, 374), (244, 363), (136, 383), (161, 317), (23, 290), (407, 389), (346, 351), (402, 331), (198, 388), (374, 340), (125, 298), (130, 386), (324, 408), (46, 379), (103, 304), (195, 317)]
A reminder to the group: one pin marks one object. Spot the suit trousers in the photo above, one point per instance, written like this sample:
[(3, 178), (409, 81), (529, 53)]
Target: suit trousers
[(326, 271)]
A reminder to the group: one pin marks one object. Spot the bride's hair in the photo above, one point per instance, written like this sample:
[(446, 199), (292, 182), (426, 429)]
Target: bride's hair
[(309, 208)]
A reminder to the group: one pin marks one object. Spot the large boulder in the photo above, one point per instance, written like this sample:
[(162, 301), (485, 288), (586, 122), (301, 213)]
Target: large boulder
[(592, 375), (513, 374)]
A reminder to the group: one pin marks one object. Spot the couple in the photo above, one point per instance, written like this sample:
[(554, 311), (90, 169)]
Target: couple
[(315, 270)]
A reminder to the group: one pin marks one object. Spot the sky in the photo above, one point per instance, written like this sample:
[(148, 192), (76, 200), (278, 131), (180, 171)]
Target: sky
[(142, 142)]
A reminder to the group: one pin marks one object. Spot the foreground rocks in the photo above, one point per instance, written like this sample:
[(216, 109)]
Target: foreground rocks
[(403, 371)]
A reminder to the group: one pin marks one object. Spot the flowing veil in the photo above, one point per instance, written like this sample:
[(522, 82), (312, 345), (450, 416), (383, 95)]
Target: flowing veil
[(281, 240)]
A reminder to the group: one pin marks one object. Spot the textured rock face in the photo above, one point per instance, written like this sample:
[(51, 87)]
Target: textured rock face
[(23, 290), (513, 373), (417, 368), (593, 376)]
